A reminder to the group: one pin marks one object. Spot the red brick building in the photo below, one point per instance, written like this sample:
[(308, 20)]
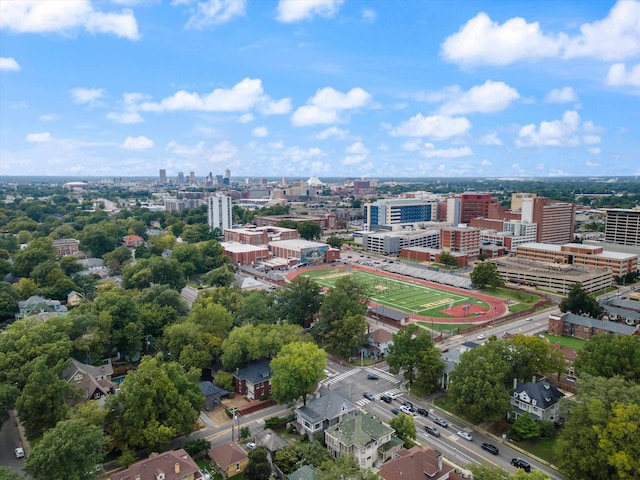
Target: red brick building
[(259, 235), (132, 241), (245, 254), (461, 239), (66, 246), (585, 327)]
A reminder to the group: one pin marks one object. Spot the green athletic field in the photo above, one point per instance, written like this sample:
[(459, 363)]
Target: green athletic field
[(405, 295)]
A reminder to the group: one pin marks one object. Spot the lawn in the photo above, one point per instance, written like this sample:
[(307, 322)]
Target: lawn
[(540, 447), (405, 296), (566, 341)]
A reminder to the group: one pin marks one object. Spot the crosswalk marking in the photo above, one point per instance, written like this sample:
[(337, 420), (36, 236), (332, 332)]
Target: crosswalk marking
[(384, 374), (340, 376)]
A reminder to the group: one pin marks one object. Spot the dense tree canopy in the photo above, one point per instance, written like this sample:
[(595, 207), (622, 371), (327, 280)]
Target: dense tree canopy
[(610, 355), (296, 369), (9, 298), (485, 274), (415, 354), (299, 300), (405, 429), (580, 302)]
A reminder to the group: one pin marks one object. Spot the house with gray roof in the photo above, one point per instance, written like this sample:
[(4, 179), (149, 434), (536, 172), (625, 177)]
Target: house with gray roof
[(364, 436), (94, 381), (540, 399), (585, 327), (37, 305), (253, 381), (328, 408)]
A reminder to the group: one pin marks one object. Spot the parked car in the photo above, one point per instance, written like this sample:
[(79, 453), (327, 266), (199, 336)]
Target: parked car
[(368, 396), (432, 431), (251, 445), (520, 463), (482, 336), (386, 398), (466, 435), (490, 448), (422, 411), (441, 421), (395, 411), (371, 376), (19, 452)]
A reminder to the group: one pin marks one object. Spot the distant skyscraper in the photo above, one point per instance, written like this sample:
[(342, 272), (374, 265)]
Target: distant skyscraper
[(180, 178), (227, 177), (219, 212), (163, 176), (192, 178), (219, 180)]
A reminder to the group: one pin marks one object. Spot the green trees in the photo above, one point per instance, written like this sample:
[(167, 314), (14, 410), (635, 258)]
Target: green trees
[(416, 356), (67, 452), (345, 467), (309, 230), (405, 429), (348, 334), (157, 402), (296, 369), (580, 302), (526, 427), (8, 301), (346, 300), (8, 396), (448, 259), (485, 274), (298, 301), (7, 474), (477, 385), (258, 467), (610, 355), (335, 242), (39, 251)]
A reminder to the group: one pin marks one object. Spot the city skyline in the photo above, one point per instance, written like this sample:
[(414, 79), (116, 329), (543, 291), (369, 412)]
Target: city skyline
[(327, 88)]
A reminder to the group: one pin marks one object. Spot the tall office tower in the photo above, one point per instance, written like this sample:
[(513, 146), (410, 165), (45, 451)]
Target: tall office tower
[(219, 212), (180, 180), (192, 178), (163, 176), (219, 180), (227, 177), (209, 180), (516, 199), (399, 210), (453, 210), (555, 220), (474, 205), (623, 226)]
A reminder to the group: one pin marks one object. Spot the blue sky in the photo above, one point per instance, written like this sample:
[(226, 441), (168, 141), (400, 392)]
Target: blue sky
[(354, 88)]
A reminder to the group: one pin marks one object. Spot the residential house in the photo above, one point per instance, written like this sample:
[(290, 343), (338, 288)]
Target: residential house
[(94, 381), (416, 464), (230, 458), (585, 327), (74, 298), (253, 381), (378, 342), (328, 408), (365, 437), (540, 399), (271, 441), (171, 465), (132, 241), (212, 394), (36, 305)]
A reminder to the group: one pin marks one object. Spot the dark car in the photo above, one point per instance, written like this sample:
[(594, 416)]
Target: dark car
[(386, 398), (368, 396), (441, 421), (520, 463), (422, 411), (432, 431), (371, 376), (490, 448), (395, 411)]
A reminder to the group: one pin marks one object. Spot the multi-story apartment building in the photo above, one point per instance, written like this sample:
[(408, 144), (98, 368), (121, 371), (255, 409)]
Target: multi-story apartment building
[(461, 239), (555, 220), (590, 257), (622, 226), (219, 212), (392, 211), (462, 208)]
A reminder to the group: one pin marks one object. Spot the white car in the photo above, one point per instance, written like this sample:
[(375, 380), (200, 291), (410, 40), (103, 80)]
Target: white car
[(19, 452), (482, 336), (406, 410), (251, 445), (465, 435)]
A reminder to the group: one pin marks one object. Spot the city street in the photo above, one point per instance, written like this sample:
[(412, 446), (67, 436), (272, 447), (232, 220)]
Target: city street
[(9, 440)]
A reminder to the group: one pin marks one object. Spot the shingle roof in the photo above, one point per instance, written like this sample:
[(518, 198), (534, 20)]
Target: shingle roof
[(329, 405), (208, 388), (544, 394), (359, 430), (255, 373), (614, 327), (227, 454), (175, 464)]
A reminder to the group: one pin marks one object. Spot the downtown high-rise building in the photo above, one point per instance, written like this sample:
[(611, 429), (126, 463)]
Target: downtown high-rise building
[(555, 220), (163, 176)]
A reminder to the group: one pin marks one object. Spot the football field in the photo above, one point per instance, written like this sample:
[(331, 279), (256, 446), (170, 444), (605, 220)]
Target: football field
[(406, 295)]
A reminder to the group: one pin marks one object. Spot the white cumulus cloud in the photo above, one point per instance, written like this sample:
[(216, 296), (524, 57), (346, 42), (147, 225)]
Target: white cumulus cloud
[(64, 16), (9, 64), (40, 137), (486, 98), (430, 151), (561, 95), (290, 11), (214, 12), (260, 132), (332, 132), (130, 114), (241, 97), (484, 41), (490, 139), (245, 118), (89, 96), (275, 107), (223, 151), (185, 150), (325, 106), (435, 127), (563, 132), (619, 76), (137, 143)]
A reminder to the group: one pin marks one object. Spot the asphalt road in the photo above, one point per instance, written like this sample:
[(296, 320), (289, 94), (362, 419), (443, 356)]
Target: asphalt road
[(9, 440)]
